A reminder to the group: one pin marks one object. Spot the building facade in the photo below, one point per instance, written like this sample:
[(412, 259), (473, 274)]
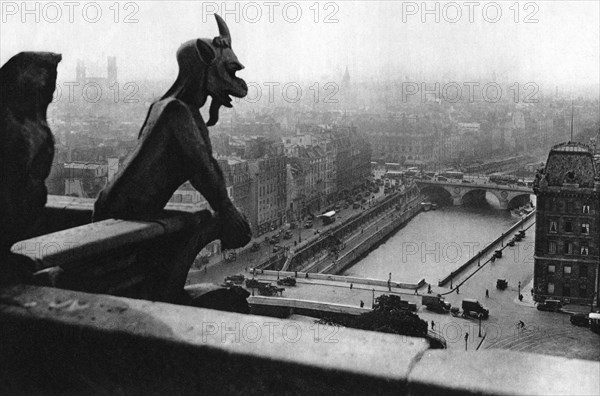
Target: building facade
[(267, 167), (567, 226)]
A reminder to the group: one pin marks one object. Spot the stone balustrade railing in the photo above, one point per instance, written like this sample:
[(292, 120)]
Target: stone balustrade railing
[(142, 259)]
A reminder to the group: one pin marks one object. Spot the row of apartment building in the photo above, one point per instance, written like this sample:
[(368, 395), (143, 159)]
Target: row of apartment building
[(273, 181)]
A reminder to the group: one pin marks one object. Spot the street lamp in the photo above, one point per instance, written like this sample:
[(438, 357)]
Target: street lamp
[(519, 295), (373, 303)]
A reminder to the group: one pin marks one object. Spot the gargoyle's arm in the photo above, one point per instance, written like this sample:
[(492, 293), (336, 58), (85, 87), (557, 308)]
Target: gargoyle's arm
[(206, 175)]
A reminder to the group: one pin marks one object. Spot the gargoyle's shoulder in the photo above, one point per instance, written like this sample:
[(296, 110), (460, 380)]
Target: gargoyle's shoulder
[(169, 108)]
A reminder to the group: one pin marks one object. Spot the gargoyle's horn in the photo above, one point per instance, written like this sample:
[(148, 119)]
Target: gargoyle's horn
[(223, 29)]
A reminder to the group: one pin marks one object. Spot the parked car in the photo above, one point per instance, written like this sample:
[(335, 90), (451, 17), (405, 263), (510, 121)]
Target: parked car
[(308, 224), (287, 235), (237, 279), (289, 281), (550, 305), (277, 248), (580, 319), (255, 247)]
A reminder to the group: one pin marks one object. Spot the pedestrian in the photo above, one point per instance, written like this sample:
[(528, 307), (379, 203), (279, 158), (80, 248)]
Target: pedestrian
[(457, 291), (351, 285), (362, 303), (487, 293), (428, 289), (306, 275), (295, 274), (417, 291), (432, 325)]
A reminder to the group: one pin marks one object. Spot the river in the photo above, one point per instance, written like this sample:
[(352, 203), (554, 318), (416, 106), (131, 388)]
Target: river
[(434, 243)]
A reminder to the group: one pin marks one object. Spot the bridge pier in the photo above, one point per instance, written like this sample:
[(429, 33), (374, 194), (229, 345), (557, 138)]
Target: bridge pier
[(457, 201), (503, 203)]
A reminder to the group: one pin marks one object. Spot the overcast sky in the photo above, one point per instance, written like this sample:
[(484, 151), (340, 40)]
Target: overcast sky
[(374, 39)]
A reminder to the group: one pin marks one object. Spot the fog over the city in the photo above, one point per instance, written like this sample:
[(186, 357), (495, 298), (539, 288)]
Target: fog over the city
[(558, 45)]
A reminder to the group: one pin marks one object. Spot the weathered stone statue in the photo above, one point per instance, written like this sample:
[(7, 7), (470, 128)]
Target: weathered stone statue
[(27, 83), (174, 145)]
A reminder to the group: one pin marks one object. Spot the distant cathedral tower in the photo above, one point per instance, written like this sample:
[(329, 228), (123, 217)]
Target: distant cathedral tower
[(112, 69), (346, 91), (346, 80)]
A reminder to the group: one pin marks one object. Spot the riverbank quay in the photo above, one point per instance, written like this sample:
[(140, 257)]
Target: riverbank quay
[(530, 218), (339, 280), (361, 244), (335, 240)]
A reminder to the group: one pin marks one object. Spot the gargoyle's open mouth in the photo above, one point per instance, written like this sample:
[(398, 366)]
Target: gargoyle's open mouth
[(235, 87)]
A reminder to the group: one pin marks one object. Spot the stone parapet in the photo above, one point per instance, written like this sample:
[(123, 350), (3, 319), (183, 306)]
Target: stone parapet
[(57, 341)]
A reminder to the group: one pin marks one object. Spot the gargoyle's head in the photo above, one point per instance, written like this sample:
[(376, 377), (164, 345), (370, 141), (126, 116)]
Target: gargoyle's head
[(222, 81), (28, 81), (208, 67)]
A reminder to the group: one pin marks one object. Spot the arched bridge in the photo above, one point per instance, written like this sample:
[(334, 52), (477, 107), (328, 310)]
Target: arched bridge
[(508, 196)]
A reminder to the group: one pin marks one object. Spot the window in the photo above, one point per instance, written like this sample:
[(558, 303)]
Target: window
[(553, 226), (582, 270), (584, 251), (582, 290), (567, 269), (568, 226), (550, 288), (585, 228), (568, 248), (566, 290), (551, 268), (586, 209), (552, 248)]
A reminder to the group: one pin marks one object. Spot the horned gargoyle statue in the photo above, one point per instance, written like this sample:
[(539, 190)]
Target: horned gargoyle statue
[(27, 83), (174, 145)]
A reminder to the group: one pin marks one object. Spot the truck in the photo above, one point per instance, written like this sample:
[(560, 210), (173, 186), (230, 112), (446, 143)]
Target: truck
[(436, 304), (473, 308)]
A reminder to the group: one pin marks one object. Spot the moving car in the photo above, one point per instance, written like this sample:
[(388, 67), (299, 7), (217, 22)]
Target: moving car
[(473, 308)]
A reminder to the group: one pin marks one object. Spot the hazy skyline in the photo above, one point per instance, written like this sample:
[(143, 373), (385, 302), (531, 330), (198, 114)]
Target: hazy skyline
[(371, 38)]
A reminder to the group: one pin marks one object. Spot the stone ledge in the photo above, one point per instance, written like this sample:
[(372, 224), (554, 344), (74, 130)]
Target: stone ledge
[(73, 246), (63, 341), (141, 259), (58, 341)]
